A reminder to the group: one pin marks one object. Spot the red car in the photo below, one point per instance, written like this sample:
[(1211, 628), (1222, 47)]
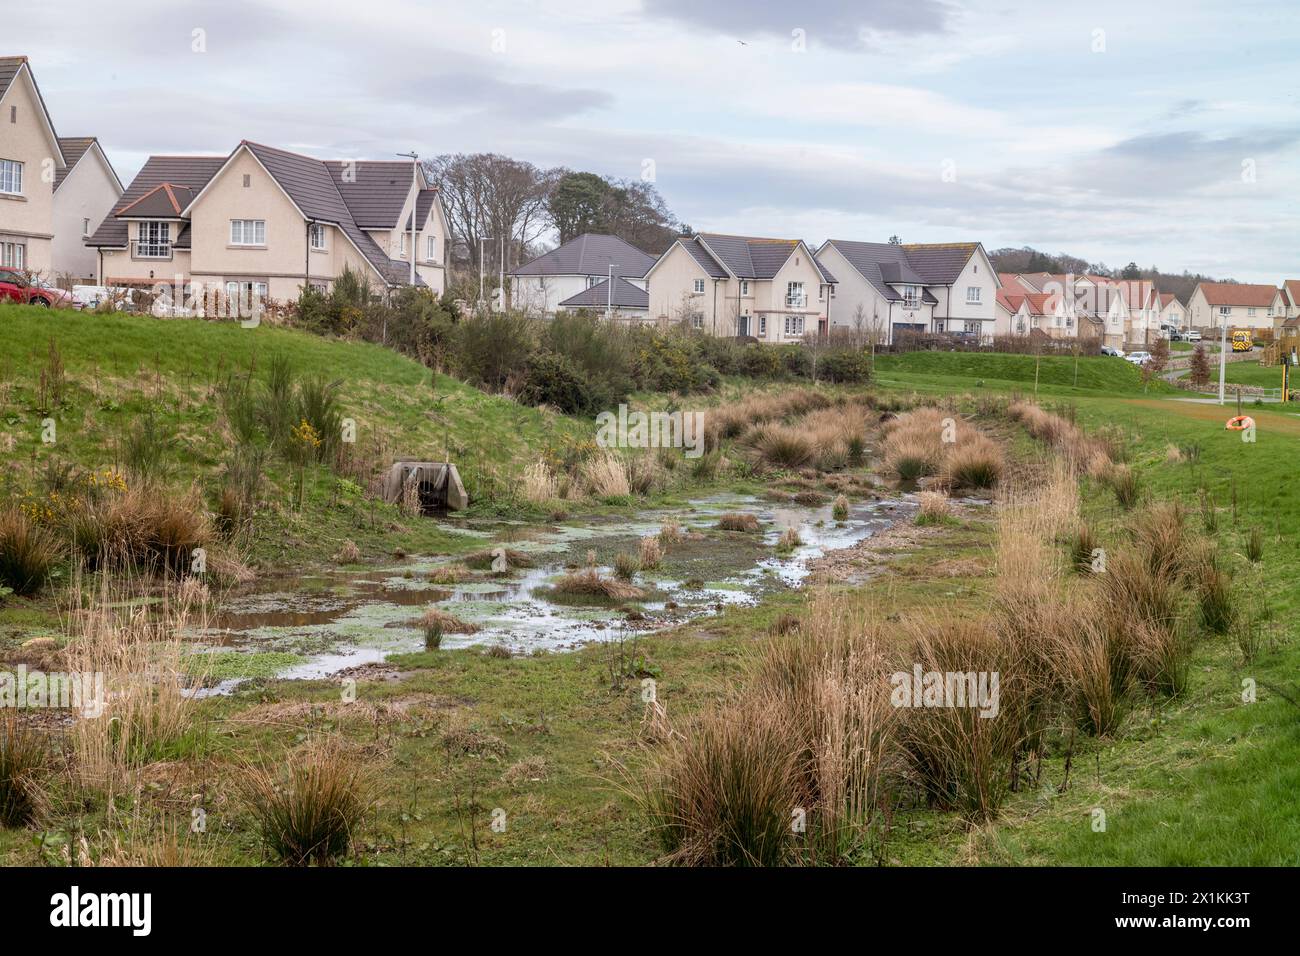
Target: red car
[(17, 287)]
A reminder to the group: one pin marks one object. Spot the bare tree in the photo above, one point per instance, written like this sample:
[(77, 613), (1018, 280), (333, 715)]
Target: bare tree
[(487, 195)]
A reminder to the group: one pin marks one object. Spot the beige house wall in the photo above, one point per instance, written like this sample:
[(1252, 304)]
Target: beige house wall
[(88, 192), (29, 217), (670, 284)]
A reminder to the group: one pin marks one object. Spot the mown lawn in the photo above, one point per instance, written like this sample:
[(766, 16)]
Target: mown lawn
[(1055, 374)]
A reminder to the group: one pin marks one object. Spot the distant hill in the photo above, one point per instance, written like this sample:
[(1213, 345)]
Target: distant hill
[(1028, 259)]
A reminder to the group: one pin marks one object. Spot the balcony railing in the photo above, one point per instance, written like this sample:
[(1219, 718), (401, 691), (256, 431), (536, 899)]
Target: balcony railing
[(796, 301), (151, 250)]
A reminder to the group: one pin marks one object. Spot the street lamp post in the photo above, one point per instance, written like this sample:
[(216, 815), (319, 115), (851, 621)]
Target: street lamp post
[(1223, 354), (609, 293), (414, 157)]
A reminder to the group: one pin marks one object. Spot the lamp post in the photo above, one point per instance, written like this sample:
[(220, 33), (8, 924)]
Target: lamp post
[(414, 157), (1223, 353), (609, 293)]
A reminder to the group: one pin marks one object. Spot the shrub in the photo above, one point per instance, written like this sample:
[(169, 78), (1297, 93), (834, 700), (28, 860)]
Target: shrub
[(309, 813), (845, 365), (493, 348), (551, 379), (28, 553)]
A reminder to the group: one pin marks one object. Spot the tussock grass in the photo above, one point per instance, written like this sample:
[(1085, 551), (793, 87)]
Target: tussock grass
[(28, 553), (650, 552), (445, 622), (482, 561), (738, 521), (590, 582), (788, 541), (626, 566), (537, 483), (605, 475), (935, 508), (24, 760), (310, 812)]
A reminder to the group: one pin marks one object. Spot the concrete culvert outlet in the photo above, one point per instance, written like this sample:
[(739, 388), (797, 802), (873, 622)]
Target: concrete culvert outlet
[(436, 483)]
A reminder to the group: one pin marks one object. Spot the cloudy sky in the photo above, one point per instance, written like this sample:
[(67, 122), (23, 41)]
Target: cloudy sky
[(1164, 132)]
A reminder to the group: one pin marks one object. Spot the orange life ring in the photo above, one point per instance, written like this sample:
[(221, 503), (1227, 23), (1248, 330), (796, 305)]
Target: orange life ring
[(1239, 423)]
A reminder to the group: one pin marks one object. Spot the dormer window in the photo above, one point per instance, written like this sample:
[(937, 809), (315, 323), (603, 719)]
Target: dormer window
[(153, 241), (911, 296), (11, 177)]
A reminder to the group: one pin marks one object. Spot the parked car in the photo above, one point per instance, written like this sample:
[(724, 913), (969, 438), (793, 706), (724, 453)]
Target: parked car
[(17, 287), (1192, 335), (1111, 350), (1138, 358)]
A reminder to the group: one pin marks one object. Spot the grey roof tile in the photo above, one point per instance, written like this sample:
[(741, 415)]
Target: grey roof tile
[(373, 189), (189, 172), (590, 254), (626, 296)]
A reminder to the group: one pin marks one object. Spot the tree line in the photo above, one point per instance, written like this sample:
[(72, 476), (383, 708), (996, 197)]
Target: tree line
[(499, 206)]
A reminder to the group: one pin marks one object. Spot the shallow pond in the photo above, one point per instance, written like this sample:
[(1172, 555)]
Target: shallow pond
[(329, 622)]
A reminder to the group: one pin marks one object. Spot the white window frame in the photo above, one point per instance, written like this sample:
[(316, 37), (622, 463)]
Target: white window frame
[(762, 326), (911, 297), (973, 293), (698, 288), (744, 287), (245, 232), (317, 234), (11, 177), (430, 248), (159, 240), (794, 295), (697, 320), (974, 326), (794, 325), (13, 255), (402, 247)]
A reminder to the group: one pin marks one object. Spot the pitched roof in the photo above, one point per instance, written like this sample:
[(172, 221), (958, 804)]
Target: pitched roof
[(706, 259), (10, 67), (310, 185), (374, 190), (1234, 293), (590, 254), (875, 262), (1166, 298), (423, 204), (74, 147), (186, 172), (1011, 297), (164, 201), (625, 295), (1292, 287), (747, 257), (939, 263)]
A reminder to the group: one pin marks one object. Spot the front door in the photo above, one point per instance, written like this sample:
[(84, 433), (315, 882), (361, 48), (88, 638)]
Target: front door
[(742, 325)]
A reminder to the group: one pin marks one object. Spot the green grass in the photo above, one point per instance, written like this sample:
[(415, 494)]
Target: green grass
[(1057, 374), (119, 368), (1250, 373)]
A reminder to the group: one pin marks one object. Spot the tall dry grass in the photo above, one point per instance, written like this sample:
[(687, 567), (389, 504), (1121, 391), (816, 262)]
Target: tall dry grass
[(605, 475)]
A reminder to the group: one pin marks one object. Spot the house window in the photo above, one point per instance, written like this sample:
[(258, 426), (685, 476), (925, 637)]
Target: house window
[(762, 326), (973, 295), (11, 177), (248, 180), (1250, 312), (794, 325), (973, 327), (591, 281), (154, 240), (13, 255), (1020, 326), (699, 287), (940, 326), (697, 320), (246, 289), (744, 287), (431, 248), (403, 246), (911, 296), (317, 236), (248, 232), (794, 297)]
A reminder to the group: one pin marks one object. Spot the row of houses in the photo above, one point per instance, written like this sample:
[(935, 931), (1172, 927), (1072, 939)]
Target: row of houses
[(255, 220), (267, 221), (774, 290)]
